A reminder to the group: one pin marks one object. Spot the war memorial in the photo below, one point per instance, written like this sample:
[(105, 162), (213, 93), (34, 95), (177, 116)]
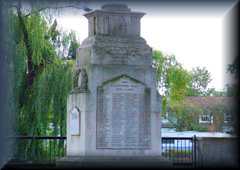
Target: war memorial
[(113, 111)]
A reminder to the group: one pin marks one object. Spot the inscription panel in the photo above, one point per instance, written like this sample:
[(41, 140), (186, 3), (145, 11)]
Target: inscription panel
[(123, 117), (75, 121)]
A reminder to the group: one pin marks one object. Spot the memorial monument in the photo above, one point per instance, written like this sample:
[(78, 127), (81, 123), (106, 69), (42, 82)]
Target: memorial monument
[(114, 108)]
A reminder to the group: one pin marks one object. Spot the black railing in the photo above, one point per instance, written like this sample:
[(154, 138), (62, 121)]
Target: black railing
[(179, 150), (39, 149)]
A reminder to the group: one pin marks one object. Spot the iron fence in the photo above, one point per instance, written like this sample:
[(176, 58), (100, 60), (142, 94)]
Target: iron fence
[(179, 150), (39, 149)]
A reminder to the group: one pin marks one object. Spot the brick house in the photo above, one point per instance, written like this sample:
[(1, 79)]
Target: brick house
[(214, 113), (217, 112)]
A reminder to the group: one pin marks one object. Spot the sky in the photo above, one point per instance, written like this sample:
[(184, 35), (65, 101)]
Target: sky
[(194, 36)]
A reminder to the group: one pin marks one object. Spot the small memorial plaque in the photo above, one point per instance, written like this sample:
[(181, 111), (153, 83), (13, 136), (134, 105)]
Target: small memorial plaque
[(75, 121)]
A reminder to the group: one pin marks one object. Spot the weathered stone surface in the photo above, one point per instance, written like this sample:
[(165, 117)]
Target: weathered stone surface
[(113, 161), (109, 50), (114, 20), (75, 120), (123, 115), (120, 111), (115, 7)]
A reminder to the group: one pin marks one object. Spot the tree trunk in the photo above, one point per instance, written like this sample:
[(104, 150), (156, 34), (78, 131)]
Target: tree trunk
[(30, 73)]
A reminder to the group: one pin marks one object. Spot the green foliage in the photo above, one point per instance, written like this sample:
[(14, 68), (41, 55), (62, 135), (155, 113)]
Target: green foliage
[(162, 64), (53, 32), (233, 88), (172, 78), (158, 61), (177, 80), (164, 105), (175, 83), (74, 45), (41, 108), (234, 67), (187, 117), (37, 28), (200, 78)]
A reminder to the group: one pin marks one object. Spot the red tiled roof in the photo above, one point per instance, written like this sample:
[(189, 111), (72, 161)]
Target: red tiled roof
[(209, 101)]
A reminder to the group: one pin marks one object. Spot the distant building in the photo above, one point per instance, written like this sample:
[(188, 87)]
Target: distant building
[(216, 114)]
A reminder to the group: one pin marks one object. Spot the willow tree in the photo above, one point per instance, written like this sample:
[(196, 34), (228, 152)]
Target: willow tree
[(42, 78)]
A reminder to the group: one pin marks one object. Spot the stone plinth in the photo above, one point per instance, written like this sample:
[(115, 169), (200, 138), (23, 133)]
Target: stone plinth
[(113, 161)]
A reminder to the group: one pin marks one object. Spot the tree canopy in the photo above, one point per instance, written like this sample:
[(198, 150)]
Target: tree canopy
[(200, 78), (172, 78), (175, 83), (42, 66), (42, 75)]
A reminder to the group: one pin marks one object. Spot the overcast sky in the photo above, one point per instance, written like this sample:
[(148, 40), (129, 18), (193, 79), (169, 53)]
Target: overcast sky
[(194, 34)]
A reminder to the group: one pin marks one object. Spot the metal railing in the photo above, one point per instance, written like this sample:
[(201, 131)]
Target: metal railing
[(179, 150), (39, 149)]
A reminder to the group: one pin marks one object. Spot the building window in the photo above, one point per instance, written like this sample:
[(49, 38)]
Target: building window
[(206, 118), (227, 117), (228, 129)]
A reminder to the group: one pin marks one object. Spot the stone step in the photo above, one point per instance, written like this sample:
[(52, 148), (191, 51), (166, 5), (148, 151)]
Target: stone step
[(113, 161)]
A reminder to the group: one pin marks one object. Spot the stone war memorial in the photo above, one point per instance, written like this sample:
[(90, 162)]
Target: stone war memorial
[(113, 111)]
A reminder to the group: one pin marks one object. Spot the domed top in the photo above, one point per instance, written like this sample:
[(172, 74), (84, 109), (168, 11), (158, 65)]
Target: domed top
[(115, 7)]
